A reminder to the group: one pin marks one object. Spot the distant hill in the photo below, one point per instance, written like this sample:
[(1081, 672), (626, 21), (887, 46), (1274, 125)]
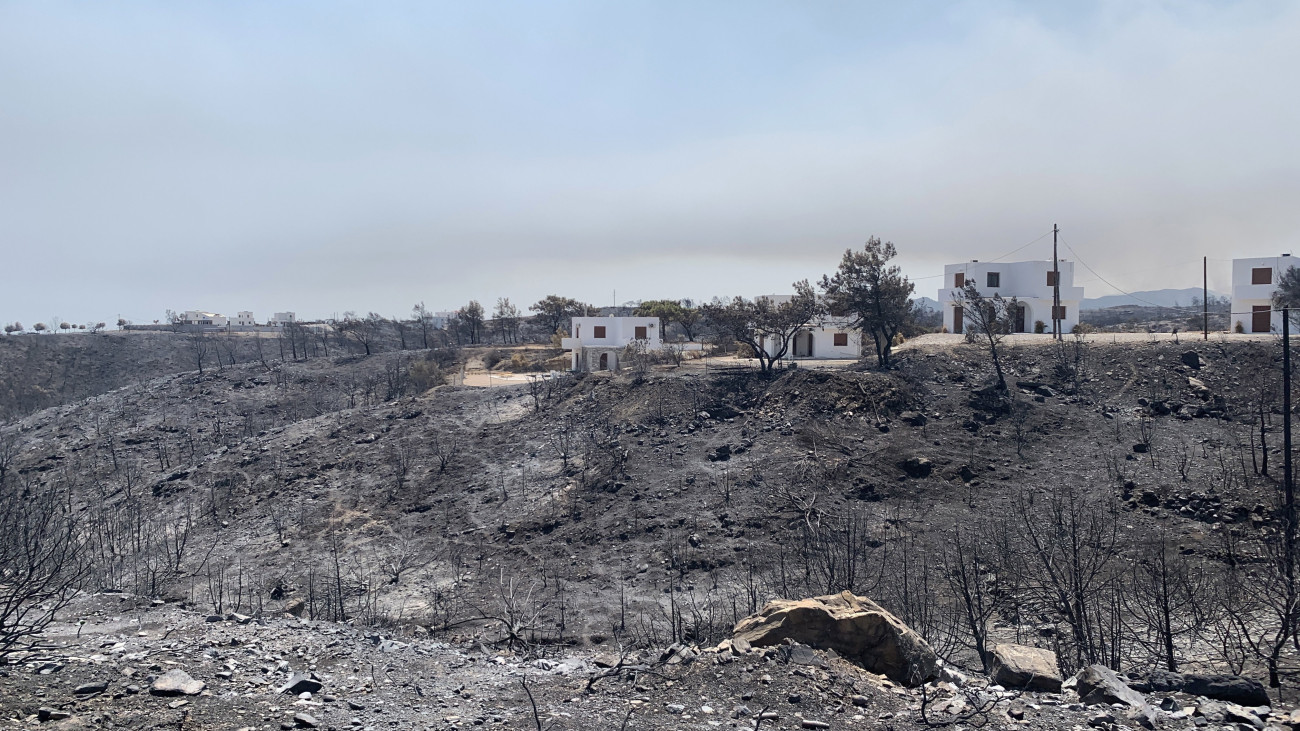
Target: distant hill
[(925, 303), (1160, 297)]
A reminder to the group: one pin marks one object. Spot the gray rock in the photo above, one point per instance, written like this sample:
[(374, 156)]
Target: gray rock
[(855, 627), (300, 683), (1025, 668), (1100, 684), (176, 682), (1191, 359), (89, 688), (50, 714), (304, 720), (916, 466)]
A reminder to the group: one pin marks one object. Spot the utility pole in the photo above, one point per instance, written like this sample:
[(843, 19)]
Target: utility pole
[(1288, 518), (1205, 297), (1056, 288)]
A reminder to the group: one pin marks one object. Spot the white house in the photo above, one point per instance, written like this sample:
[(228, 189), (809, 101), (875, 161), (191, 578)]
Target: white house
[(1030, 282), (244, 319), (828, 338), (1253, 283), (280, 319), (207, 319), (595, 343)]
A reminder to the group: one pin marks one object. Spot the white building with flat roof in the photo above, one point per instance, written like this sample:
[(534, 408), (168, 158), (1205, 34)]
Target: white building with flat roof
[(244, 318), (1254, 280), (826, 338), (205, 319), (596, 342), (280, 319), (1030, 282)]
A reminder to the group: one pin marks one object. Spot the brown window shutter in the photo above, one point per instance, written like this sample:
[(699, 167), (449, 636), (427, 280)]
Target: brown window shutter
[(1058, 313), (1261, 275), (599, 331), (1051, 279), (959, 280), (640, 333), (841, 339)]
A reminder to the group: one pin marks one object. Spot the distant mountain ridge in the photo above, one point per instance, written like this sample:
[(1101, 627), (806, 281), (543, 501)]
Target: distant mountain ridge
[(1159, 297)]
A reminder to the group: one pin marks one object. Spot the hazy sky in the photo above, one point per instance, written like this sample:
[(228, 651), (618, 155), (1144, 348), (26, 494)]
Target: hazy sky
[(331, 156)]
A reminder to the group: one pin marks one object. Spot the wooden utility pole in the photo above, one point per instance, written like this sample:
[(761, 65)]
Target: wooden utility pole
[(1205, 297), (1056, 288)]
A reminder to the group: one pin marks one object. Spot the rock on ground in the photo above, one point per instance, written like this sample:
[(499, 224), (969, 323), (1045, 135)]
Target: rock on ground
[(176, 682), (853, 626), (1023, 667)]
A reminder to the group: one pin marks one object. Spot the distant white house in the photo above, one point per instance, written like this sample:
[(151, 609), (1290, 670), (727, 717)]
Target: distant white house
[(244, 319), (596, 343), (828, 338), (206, 319), (1254, 281), (1030, 282), (280, 319)]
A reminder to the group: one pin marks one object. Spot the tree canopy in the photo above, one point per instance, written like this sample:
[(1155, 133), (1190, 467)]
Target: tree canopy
[(766, 326), (553, 310), (873, 292), (672, 311)]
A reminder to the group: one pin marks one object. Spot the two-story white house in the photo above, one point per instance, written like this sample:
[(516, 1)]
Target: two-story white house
[(1253, 282), (596, 343), (1030, 282), (280, 319), (243, 319)]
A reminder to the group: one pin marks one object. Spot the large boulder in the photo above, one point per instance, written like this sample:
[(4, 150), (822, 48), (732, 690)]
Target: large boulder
[(1231, 688), (1098, 684), (1027, 668), (853, 626)]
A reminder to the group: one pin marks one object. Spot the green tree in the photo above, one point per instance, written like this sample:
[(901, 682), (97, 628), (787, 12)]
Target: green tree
[(681, 312), (766, 326), (553, 311), (471, 318), (873, 292)]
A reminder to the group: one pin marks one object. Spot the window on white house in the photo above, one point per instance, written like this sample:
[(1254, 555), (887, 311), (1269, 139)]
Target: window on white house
[(994, 280), (598, 332)]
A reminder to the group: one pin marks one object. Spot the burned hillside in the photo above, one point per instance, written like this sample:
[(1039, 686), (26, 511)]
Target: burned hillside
[(644, 510)]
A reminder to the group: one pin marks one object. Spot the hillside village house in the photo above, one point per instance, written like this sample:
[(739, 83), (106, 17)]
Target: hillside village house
[(829, 338), (244, 319), (1030, 282), (1254, 281), (280, 319), (207, 319), (597, 342)]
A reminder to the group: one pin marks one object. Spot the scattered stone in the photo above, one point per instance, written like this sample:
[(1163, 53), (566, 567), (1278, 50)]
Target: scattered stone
[(1231, 688), (1191, 359), (855, 627), (50, 714), (300, 683), (1025, 668), (914, 418), (304, 720), (89, 688), (916, 466), (808, 723), (295, 606), (675, 708), (176, 682)]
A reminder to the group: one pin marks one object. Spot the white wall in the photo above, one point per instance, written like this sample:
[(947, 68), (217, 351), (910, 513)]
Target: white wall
[(1246, 295), (619, 332), (1024, 280)]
